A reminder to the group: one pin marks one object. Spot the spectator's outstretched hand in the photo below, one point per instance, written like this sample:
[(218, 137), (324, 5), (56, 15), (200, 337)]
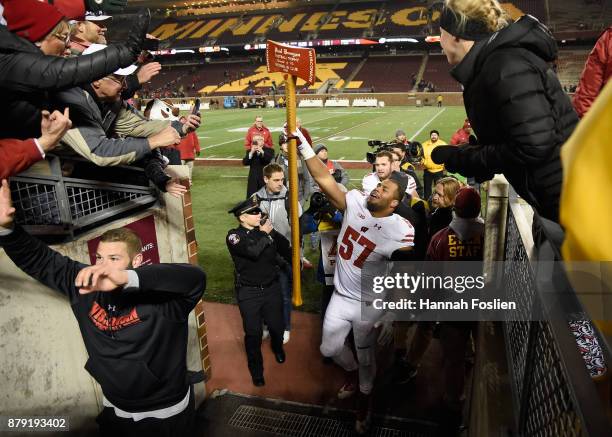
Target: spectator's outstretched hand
[(192, 123), (6, 206), (53, 127), (148, 71), (168, 137), (174, 188), (100, 278)]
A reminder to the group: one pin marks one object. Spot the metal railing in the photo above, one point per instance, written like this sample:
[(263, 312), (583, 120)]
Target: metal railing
[(51, 204), (552, 391)]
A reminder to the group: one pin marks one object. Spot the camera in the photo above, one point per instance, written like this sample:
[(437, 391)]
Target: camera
[(378, 147), (264, 218), (320, 204), (414, 150)]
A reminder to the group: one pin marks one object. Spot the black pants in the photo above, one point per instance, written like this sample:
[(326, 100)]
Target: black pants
[(259, 305), (179, 425), (430, 179)]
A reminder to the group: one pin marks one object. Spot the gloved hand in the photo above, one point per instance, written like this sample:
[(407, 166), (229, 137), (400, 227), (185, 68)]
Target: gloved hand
[(447, 155), (386, 332), (456, 160), (107, 6), (138, 32), (304, 148)]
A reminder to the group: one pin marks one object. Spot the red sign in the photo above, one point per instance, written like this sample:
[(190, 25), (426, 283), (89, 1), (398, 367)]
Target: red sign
[(296, 61), (145, 228)]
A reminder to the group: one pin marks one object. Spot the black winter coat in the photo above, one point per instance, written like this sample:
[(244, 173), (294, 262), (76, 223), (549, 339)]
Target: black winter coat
[(26, 74), (518, 111), (256, 164)]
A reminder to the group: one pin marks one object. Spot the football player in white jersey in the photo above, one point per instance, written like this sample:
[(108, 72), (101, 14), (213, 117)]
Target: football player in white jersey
[(384, 167), (370, 232)]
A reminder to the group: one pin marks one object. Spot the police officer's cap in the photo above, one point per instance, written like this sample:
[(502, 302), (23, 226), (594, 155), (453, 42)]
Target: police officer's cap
[(245, 206)]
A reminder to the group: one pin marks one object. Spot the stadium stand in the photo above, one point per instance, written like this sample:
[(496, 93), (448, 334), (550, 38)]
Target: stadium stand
[(211, 78), (437, 72), (359, 18), (399, 19), (570, 65), (386, 74), (581, 15)]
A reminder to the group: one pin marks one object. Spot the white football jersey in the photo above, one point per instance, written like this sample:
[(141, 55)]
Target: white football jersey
[(366, 238), (371, 181)]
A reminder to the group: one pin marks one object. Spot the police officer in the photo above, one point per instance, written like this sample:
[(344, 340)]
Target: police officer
[(258, 252)]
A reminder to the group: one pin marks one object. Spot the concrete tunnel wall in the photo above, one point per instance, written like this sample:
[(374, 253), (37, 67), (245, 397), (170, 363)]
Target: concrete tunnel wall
[(42, 354)]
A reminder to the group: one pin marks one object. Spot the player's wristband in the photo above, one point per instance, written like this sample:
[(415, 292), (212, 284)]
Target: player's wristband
[(304, 148)]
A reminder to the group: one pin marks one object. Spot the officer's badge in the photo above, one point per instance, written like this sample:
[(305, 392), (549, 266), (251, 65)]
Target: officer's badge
[(234, 239)]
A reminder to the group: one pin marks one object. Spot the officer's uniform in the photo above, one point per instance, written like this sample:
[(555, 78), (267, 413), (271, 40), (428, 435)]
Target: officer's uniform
[(258, 257)]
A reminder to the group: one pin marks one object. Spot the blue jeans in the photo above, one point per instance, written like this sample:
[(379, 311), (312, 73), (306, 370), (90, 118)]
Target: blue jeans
[(285, 278)]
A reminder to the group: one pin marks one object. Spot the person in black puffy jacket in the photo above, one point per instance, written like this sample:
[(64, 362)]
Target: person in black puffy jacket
[(513, 99), (26, 74)]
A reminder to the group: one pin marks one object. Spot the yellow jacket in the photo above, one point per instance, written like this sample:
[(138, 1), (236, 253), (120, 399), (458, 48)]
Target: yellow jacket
[(428, 147)]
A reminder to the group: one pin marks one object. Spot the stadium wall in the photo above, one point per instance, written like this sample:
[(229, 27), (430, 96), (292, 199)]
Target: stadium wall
[(390, 99)]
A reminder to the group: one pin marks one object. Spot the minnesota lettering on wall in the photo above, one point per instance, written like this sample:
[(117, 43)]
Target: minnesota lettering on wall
[(258, 25), (399, 22)]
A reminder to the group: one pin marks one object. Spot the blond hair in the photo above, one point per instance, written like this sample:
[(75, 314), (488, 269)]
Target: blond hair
[(123, 235), (450, 187), (62, 27), (489, 12)]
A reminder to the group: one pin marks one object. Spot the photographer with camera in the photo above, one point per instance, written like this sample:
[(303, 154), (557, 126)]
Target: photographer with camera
[(325, 220), (408, 152), (259, 253), (257, 157)]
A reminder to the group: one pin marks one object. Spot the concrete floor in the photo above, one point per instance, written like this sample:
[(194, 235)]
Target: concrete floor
[(305, 379)]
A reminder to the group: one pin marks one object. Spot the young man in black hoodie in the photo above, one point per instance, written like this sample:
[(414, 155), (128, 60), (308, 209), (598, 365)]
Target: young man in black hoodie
[(133, 320)]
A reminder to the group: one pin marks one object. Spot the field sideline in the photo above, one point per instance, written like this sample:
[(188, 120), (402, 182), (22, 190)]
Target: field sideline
[(345, 131), (216, 189)]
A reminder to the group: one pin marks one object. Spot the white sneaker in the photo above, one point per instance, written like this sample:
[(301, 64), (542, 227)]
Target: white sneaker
[(266, 334), (286, 336)]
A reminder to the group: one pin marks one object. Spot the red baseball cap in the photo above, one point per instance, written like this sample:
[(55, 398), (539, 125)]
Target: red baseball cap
[(467, 203), (31, 19)]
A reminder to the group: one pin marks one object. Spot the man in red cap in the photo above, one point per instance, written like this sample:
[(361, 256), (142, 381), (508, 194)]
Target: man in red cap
[(462, 240), (462, 135), (39, 23)]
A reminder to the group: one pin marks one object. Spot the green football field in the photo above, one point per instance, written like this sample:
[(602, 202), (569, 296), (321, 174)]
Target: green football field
[(345, 131), (216, 189)]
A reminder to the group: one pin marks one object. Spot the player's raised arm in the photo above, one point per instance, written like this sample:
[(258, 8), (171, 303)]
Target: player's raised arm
[(321, 175)]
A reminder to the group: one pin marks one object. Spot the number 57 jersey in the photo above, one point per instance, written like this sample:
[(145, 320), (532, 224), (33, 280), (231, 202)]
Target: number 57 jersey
[(366, 238)]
